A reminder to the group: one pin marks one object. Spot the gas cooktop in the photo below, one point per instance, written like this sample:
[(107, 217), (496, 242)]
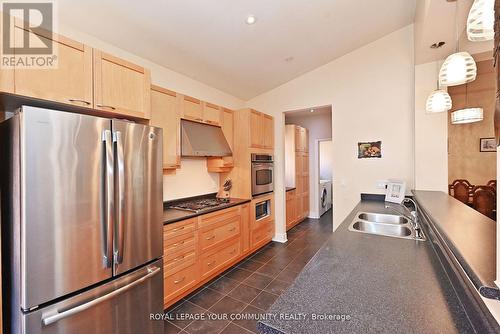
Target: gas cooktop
[(198, 205)]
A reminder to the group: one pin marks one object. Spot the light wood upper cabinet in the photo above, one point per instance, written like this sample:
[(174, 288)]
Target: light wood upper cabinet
[(6, 75), (227, 124), (255, 129), (211, 113), (267, 131), (191, 108), (121, 87), (70, 82), (165, 114)]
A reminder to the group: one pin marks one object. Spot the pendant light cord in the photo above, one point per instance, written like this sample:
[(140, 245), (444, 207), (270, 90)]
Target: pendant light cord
[(457, 35)]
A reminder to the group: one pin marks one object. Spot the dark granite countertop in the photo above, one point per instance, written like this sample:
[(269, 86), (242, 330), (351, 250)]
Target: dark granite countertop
[(290, 188), (469, 234), (384, 284), (174, 215)]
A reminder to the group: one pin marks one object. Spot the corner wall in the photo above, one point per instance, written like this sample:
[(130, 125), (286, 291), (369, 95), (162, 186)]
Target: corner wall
[(372, 97)]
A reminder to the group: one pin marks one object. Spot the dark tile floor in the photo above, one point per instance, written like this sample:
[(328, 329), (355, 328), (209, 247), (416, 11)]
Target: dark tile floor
[(251, 286)]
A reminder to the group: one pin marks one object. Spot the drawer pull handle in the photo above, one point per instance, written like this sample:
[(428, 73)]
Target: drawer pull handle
[(178, 228), (179, 258), (179, 243), (210, 238), (106, 107), (180, 280), (232, 229), (210, 263), (79, 101)]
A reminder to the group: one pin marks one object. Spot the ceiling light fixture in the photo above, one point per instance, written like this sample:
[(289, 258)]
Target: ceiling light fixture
[(437, 45), (439, 100), (312, 110), (481, 20), (458, 68), (251, 19), (467, 115)]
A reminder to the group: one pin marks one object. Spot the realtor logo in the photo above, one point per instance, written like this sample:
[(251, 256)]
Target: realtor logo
[(27, 35)]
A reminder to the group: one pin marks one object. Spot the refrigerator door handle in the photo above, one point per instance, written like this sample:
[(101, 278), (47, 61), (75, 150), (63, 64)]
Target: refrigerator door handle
[(52, 318), (108, 185), (117, 138)]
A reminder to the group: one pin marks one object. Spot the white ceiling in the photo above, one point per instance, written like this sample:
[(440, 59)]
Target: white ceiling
[(307, 112), (210, 42), (439, 20)]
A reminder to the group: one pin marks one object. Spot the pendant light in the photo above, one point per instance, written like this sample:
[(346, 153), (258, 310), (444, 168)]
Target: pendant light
[(458, 68), (481, 20), (467, 115), (439, 100)]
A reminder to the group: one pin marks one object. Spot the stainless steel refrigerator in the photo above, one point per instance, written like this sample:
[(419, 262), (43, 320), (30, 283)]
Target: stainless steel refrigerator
[(81, 224)]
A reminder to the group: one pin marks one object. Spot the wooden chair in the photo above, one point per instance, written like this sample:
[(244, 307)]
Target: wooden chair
[(493, 184), (484, 200), (461, 190)]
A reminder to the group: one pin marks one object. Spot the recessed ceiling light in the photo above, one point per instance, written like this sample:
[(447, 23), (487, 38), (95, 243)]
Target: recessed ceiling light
[(251, 19), (312, 110), (437, 45), (289, 59)]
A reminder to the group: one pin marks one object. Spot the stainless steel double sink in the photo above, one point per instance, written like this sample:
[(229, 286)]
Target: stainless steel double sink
[(383, 224)]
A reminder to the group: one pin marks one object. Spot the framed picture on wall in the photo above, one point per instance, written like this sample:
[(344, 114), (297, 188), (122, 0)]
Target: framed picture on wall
[(370, 150), (487, 145)]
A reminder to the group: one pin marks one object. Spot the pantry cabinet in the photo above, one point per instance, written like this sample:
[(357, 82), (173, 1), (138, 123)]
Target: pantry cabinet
[(121, 87), (165, 114)]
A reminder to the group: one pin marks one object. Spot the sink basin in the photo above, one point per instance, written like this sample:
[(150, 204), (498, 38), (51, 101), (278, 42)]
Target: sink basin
[(382, 218), (392, 230), (383, 224)]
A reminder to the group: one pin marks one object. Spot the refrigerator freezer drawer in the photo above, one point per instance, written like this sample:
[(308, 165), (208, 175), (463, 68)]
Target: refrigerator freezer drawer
[(121, 306)]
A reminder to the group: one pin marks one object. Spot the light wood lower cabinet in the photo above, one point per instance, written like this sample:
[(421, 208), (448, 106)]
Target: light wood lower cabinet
[(197, 249)]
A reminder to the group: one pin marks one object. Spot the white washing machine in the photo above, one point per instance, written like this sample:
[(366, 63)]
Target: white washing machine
[(325, 196)]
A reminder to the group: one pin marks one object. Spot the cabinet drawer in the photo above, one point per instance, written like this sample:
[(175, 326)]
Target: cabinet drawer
[(175, 284), (216, 261), (263, 234), (219, 216), (177, 261), (175, 244), (172, 230), (222, 232)]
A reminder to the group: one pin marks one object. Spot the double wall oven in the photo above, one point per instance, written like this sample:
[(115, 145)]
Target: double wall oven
[(262, 174)]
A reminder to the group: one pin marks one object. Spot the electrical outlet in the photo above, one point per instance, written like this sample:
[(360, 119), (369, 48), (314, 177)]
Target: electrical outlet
[(382, 184)]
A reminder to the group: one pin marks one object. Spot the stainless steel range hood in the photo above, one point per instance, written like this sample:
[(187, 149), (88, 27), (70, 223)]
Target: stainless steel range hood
[(203, 140)]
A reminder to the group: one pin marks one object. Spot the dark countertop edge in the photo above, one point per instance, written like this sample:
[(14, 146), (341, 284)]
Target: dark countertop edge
[(290, 188), (481, 285), (166, 204), (237, 201)]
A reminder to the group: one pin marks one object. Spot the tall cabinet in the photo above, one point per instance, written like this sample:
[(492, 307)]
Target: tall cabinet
[(297, 174)]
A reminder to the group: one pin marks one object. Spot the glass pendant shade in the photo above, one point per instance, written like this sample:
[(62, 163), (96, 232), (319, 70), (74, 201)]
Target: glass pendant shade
[(458, 68), (467, 115), (481, 20), (438, 101)]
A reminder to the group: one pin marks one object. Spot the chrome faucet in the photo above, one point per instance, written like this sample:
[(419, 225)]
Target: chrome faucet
[(412, 216)]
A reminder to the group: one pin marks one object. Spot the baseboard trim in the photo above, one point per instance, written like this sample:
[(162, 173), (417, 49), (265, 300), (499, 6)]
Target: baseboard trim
[(280, 238)]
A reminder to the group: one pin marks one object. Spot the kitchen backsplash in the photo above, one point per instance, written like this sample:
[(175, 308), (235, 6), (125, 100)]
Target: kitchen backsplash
[(191, 179)]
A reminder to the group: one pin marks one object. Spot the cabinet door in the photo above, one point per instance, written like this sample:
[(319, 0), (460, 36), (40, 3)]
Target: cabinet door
[(290, 208), (305, 205), (255, 129), (70, 82), (268, 131), (211, 113), (227, 119), (165, 114), (121, 87), (6, 75), (191, 108), (305, 139), (298, 207), (305, 163)]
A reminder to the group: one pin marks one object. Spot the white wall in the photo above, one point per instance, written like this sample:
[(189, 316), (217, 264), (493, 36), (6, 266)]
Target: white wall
[(371, 93), (320, 127), (193, 172), (325, 159), (431, 134)]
